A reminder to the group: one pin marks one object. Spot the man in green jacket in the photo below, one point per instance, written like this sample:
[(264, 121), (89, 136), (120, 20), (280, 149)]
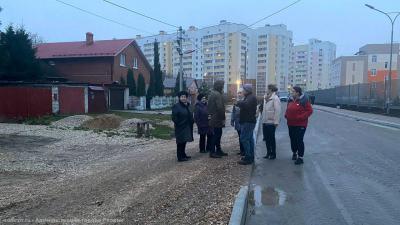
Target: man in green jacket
[(216, 111)]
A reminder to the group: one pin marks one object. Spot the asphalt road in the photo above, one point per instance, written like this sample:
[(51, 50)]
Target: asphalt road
[(350, 176)]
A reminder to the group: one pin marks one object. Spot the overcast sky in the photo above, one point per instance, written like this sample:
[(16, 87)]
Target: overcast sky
[(347, 23)]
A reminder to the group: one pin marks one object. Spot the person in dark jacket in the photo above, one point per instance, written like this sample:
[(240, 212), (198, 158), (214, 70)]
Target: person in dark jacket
[(248, 109), (297, 113), (183, 122), (201, 119), (216, 115), (235, 121)]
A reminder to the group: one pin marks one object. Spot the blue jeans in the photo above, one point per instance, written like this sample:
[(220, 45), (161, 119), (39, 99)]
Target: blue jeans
[(246, 138)]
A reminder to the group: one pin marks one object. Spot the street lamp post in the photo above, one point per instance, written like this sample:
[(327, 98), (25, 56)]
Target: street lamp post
[(389, 83)]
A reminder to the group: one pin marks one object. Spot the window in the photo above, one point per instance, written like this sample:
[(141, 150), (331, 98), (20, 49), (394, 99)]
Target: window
[(353, 79), (374, 58), (122, 58), (386, 65), (135, 63), (354, 67), (373, 72), (320, 52)]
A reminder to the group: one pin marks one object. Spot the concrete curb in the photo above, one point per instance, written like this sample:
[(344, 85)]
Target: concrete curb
[(379, 122), (239, 211)]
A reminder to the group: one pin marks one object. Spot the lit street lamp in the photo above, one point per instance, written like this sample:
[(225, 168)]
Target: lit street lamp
[(388, 87)]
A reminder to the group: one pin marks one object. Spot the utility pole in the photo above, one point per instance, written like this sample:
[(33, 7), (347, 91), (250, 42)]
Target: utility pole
[(180, 51), (245, 66), (388, 84)]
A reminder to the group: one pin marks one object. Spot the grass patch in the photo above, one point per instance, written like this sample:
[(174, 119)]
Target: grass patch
[(161, 132), (151, 117), (43, 120), (111, 133), (81, 128)]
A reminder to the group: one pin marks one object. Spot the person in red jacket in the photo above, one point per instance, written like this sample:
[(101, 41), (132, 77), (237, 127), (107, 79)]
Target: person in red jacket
[(297, 113)]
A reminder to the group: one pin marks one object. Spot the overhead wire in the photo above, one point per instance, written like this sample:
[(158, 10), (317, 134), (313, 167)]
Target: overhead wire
[(141, 14), (102, 17)]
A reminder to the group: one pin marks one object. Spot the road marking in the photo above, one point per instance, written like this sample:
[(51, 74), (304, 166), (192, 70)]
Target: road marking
[(378, 125), (346, 215), (358, 120)]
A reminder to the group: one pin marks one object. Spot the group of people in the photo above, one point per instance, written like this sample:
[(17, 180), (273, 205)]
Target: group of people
[(209, 116), (297, 113)]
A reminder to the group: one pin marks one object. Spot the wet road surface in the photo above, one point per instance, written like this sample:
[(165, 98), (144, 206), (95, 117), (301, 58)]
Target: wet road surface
[(351, 175)]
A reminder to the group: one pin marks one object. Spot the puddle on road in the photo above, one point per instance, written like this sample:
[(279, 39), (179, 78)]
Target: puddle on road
[(267, 196)]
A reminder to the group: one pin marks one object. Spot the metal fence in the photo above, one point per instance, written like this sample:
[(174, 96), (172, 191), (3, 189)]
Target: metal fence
[(139, 103), (371, 95)]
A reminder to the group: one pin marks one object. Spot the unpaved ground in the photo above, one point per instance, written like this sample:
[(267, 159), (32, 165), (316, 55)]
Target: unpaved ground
[(49, 174)]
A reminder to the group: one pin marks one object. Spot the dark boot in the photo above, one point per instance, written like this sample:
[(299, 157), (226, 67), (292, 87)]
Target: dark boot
[(299, 161), (215, 155), (245, 162), (221, 153)]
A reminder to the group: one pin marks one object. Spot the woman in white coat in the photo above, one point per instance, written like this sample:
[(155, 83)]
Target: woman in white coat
[(271, 113)]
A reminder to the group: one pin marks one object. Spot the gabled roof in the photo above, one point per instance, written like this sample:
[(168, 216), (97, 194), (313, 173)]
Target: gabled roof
[(170, 82), (81, 49), (379, 49)]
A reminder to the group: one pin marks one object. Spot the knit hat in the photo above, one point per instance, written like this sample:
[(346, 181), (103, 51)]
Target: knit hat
[(248, 88), (219, 85)]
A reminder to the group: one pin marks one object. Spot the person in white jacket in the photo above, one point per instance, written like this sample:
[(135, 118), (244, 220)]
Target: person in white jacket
[(271, 113)]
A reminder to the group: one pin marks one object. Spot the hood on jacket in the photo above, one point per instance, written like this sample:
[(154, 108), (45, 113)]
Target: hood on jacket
[(219, 85), (303, 99), (272, 96)]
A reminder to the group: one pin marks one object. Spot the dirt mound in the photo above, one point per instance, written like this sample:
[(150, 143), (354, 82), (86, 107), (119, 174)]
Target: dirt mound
[(130, 124), (72, 121), (108, 121)]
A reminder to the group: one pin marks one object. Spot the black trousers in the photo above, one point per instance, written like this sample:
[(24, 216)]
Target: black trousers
[(180, 151), (296, 135), (269, 137), (240, 143), (216, 140), (203, 139)]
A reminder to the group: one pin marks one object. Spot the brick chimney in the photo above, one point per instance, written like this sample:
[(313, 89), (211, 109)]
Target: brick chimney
[(89, 38)]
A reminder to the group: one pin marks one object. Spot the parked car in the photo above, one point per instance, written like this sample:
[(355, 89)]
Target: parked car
[(284, 98)]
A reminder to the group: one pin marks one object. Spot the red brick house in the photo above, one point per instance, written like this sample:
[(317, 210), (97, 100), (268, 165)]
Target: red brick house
[(96, 62)]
